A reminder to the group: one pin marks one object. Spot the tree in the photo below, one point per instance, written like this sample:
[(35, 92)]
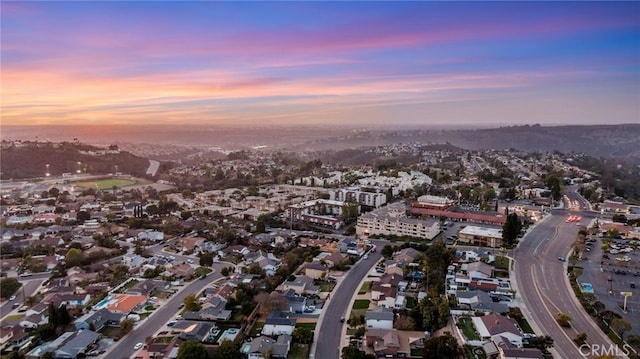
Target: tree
[(191, 303), (350, 211), (271, 301), (541, 342), (302, 335), (553, 182), (8, 287), (511, 229), (564, 320), (74, 257), (580, 339), (387, 251), (126, 326), (444, 347), (227, 350), (192, 349), (351, 352), (206, 259), (620, 326), (224, 271)]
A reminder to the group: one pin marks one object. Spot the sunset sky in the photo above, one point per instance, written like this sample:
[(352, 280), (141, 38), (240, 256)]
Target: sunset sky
[(358, 63)]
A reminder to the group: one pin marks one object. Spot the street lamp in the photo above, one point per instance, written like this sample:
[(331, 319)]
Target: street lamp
[(47, 173)]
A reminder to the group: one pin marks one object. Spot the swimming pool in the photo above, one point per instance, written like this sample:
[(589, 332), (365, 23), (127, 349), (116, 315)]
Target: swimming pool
[(587, 287), (103, 303)]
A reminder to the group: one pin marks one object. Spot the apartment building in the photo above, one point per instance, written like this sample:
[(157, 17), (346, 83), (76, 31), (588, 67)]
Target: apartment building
[(392, 220)]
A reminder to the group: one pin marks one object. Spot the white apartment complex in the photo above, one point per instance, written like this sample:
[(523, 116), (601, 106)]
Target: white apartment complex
[(392, 220), (364, 198)]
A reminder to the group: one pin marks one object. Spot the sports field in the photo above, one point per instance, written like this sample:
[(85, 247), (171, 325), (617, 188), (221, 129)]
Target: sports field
[(107, 183)]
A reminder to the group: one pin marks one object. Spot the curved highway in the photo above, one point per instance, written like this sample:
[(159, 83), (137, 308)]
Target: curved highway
[(543, 284)]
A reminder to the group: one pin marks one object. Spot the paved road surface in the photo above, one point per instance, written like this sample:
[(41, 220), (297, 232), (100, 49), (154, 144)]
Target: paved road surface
[(543, 283), (157, 320), (30, 285), (329, 327)]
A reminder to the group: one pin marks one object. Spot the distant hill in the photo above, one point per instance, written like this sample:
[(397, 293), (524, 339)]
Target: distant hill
[(597, 140), (594, 140), (29, 160)]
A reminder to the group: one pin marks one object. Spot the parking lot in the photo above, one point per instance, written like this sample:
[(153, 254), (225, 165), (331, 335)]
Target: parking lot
[(612, 274)]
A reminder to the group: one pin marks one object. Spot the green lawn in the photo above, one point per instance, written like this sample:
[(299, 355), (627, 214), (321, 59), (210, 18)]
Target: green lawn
[(310, 326), (257, 328), (108, 331), (299, 351), (14, 317), (366, 286), (411, 302), (129, 285), (326, 286), (524, 325), (162, 339), (107, 183), (466, 325), (501, 263), (361, 304)]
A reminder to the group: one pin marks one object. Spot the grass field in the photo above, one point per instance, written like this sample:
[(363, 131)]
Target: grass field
[(299, 351), (107, 183), (501, 263), (466, 324), (361, 304), (366, 286), (310, 326)]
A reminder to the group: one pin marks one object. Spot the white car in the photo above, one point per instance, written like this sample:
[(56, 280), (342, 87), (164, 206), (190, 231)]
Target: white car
[(13, 297), (137, 346)]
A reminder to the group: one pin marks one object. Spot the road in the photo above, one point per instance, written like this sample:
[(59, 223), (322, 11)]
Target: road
[(157, 320), (329, 328), (30, 284), (153, 167), (543, 284)]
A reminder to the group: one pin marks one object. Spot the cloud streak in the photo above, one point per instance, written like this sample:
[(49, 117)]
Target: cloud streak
[(213, 62)]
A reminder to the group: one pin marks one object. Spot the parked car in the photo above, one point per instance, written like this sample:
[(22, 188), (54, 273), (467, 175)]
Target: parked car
[(561, 259), (13, 297), (137, 346)]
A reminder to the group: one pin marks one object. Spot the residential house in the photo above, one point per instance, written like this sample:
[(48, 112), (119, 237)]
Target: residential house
[(406, 255), (265, 347), (199, 331), (384, 342), (132, 260), (212, 309), (69, 300), (315, 270), (146, 287), (379, 318), (125, 303), (295, 303), (333, 259), (278, 324), (301, 285), (32, 321), (78, 344), (99, 319), (181, 270), (477, 270), (190, 244), (480, 301), (493, 325)]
